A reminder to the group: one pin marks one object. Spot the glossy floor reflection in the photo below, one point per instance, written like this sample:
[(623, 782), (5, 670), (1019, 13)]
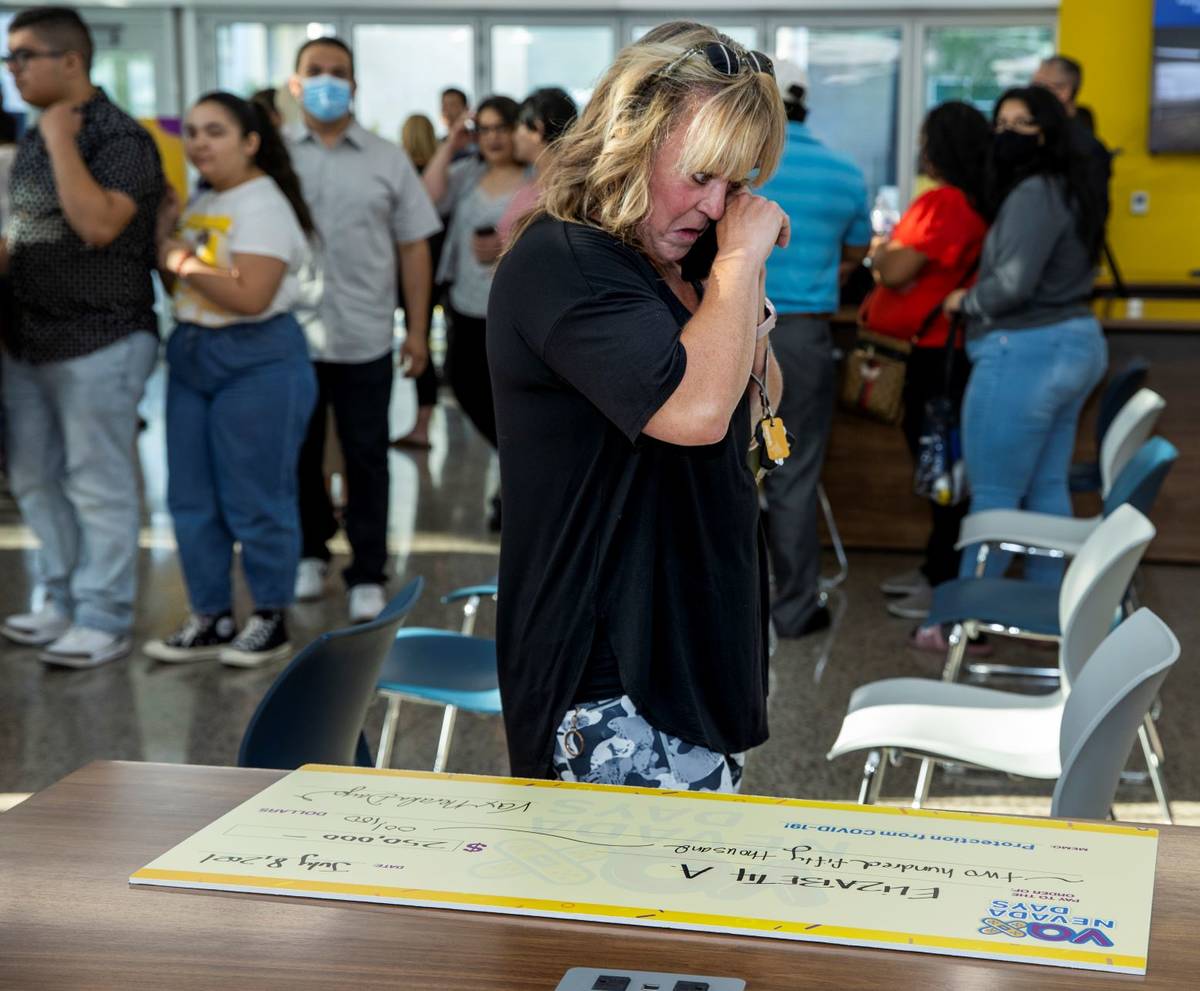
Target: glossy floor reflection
[(53, 721)]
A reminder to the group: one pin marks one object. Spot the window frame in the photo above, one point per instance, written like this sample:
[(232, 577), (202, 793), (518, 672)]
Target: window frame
[(196, 33), (536, 19)]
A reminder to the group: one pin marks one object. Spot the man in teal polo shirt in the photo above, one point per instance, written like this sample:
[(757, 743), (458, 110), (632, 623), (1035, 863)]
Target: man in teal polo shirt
[(825, 196)]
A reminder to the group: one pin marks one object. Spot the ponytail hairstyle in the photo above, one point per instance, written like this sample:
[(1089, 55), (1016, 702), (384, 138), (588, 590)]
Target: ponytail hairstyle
[(272, 155)]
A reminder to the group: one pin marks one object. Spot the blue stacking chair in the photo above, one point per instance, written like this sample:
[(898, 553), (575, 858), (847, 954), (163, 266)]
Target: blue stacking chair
[(1085, 475), (439, 667), (1018, 531), (1011, 607), (313, 713), (470, 596)]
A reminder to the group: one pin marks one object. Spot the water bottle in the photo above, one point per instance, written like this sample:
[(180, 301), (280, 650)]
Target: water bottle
[(885, 214)]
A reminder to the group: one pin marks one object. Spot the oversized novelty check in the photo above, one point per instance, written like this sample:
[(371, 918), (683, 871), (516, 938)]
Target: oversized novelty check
[(1038, 891)]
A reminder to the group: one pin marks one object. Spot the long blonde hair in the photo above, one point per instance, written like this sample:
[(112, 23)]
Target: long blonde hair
[(600, 172), (418, 139)]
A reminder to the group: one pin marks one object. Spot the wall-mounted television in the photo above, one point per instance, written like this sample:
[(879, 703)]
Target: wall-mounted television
[(1175, 90)]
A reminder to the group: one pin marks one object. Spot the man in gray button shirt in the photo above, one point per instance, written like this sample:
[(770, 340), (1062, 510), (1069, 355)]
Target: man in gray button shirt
[(372, 216)]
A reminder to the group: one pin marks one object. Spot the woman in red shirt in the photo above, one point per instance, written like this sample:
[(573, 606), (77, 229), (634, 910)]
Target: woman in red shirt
[(932, 251)]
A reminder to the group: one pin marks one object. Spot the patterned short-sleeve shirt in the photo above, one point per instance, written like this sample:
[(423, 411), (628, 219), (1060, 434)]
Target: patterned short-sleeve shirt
[(75, 299)]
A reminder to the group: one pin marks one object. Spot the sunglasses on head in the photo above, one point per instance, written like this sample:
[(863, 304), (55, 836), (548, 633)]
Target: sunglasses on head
[(726, 59)]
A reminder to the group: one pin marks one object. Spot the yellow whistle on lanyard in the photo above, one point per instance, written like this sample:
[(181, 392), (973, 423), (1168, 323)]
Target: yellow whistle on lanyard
[(775, 439)]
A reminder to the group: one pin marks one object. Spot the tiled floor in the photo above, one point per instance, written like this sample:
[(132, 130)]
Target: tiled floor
[(53, 721)]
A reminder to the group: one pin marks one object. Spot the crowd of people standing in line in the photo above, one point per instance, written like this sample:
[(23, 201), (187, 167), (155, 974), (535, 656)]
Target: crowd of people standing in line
[(285, 270)]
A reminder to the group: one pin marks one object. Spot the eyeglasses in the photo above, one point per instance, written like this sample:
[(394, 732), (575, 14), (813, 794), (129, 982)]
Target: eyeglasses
[(21, 57), (493, 129), (726, 59)]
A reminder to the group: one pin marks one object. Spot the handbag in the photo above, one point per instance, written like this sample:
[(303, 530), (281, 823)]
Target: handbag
[(873, 379), (940, 474)]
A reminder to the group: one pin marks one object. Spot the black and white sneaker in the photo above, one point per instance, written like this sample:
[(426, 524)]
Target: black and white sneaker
[(201, 638), (263, 639)]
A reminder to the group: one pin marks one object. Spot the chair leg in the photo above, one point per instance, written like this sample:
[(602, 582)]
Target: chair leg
[(835, 538), (956, 653), (835, 599), (924, 780), (981, 557), (1012, 671), (1157, 778), (470, 608), (872, 782), (387, 739), (1152, 730), (443, 750)]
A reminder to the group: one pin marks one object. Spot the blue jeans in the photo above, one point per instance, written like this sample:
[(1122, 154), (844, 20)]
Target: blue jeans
[(238, 402), (1019, 420), (71, 427)]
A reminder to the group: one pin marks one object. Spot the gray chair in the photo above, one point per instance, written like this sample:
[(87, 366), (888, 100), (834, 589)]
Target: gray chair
[(1106, 710), (1093, 589), (1082, 739)]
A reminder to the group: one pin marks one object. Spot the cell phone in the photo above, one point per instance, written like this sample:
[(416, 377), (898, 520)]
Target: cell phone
[(487, 231), (697, 263)]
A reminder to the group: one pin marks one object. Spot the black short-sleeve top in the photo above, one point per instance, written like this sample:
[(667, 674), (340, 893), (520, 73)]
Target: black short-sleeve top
[(75, 298), (613, 541)]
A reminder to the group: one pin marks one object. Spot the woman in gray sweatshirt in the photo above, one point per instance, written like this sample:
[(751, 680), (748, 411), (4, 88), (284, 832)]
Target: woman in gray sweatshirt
[(1036, 350)]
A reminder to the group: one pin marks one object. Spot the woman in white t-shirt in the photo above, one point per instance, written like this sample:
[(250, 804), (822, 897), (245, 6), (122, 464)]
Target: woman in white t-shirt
[(241, 386)]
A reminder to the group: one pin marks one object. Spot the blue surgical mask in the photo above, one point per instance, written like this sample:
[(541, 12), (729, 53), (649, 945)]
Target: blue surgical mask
[(326, 97)]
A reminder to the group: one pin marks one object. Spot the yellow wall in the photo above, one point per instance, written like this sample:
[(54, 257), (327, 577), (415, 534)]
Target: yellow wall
[(1113, 41)]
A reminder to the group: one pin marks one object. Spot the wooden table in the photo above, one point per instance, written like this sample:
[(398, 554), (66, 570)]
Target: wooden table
[(69, 919)]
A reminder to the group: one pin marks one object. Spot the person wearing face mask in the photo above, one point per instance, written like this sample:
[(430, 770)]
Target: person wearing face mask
[(1036, 349), (475, 192), (373, 219), (241, 388), (633, 605), (542, 118)]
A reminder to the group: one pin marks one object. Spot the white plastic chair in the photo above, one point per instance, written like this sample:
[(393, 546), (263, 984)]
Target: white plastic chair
[(1082, 739), (1088, 601)]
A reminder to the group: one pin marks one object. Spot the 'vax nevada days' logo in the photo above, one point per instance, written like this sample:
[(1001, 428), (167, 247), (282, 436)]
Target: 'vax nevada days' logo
[(1049, 923)]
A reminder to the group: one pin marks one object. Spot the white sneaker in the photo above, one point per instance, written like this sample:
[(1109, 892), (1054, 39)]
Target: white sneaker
[(366, 602), (37, 628), (84, 647), (310, 578), (913, 606), (905, 583)]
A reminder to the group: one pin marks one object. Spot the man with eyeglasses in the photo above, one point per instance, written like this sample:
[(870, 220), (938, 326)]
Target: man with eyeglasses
[(84, 194), (372, 216), (826, 196)]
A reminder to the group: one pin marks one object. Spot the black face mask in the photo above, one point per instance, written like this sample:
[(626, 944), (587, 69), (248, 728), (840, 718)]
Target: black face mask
[(1012, 149)]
